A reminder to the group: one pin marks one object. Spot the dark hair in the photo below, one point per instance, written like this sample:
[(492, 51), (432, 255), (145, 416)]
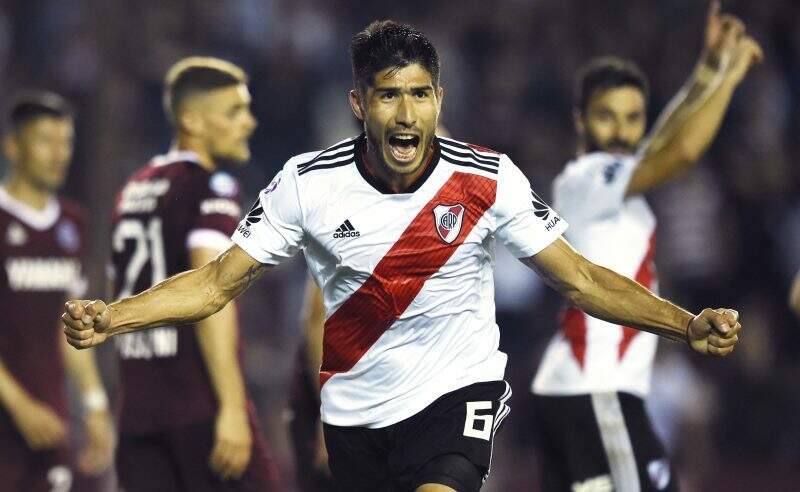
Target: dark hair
[(197, 74), (31, 104), (607, 72), (386, 44)]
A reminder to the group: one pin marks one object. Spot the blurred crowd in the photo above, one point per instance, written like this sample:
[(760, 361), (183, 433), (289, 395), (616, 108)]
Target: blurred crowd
[(729, 232)]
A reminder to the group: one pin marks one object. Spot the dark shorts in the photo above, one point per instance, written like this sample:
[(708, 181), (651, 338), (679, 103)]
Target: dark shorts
[(599, 440), (449, 443), (177, 460), (35, 471)]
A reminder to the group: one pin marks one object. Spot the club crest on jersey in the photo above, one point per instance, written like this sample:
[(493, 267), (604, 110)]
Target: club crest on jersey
[(447, 220), (16, 235), (67, 236)]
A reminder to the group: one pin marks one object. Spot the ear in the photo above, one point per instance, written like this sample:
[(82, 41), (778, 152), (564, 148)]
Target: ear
[(11, 147), (577, 119), (190, 122), (439, 97), (355, 104)]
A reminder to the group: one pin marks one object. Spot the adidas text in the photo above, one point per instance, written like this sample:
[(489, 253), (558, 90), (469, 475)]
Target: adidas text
[(337, 235)]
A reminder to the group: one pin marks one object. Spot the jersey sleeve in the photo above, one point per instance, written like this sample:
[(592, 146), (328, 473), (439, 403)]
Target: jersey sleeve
[(218, 211), (594, 186), (273, 230), (525, 223)]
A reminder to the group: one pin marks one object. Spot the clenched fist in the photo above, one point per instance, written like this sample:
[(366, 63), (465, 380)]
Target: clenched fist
[(714, 331), (86, 323)]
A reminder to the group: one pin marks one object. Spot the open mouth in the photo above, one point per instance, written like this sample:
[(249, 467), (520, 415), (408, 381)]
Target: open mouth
[(404, 147)]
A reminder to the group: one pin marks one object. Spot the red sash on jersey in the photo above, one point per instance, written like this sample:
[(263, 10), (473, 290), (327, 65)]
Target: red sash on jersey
[(397, 279)]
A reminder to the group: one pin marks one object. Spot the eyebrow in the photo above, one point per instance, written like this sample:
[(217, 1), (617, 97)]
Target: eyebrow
[(398, 89)]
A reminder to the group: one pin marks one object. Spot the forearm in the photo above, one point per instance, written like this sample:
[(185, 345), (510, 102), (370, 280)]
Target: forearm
[(185, 298), (218, 337), (314, 320), (691, 102), (612, 297), (82, 369), (11, 390)]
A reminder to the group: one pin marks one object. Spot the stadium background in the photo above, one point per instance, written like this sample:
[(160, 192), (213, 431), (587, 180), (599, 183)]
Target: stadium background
[(729, 233)]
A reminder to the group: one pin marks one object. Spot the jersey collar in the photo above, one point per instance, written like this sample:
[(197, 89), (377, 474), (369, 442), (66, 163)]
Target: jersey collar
[(361, 147), (175, 156), (36, 219)]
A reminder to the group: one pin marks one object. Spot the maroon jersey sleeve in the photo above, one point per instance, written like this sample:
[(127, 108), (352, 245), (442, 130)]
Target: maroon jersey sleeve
[(217, 214)]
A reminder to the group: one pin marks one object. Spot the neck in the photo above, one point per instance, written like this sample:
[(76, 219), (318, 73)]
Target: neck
[(26, 192), (185, 143), (396, 182)]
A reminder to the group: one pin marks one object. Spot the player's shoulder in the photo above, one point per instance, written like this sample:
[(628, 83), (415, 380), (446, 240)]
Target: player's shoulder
[(598, 161), (471, 156), (324, 162)]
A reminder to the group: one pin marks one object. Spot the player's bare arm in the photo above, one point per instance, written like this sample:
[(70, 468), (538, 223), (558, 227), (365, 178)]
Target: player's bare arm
[(39, 425), (184, 298), (218, 337), (98, 450), (314, 320), (794, 295), (689, 123), (612, 297)]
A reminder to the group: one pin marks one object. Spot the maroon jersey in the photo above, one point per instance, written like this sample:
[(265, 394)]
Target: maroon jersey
[(41, 254), (165, 209)]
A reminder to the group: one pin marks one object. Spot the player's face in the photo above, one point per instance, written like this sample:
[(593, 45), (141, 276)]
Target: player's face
[(615, 120), (42, 150), (400, 111), (227, 123)]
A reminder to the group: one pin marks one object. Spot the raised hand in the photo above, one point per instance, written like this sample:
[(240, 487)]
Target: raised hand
[(723, 33), (86, 323), (746, 54), (714, 331)]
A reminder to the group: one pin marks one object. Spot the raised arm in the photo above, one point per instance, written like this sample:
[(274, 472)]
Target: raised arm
[(615, 298), (689, 123), (185, 298)]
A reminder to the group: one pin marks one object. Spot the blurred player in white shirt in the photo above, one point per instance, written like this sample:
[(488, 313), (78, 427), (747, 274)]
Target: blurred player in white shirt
[(596, 373)]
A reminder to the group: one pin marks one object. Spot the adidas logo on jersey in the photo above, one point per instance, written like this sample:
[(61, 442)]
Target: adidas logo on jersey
[(346, 230)]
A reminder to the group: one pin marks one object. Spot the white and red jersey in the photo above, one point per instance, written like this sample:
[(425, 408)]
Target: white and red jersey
[(406, 277), (588, 355)]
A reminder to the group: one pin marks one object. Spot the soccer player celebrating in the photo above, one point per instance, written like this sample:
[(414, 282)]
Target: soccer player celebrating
[(398, 228), (597, 371), (41, 249), (185, 421)]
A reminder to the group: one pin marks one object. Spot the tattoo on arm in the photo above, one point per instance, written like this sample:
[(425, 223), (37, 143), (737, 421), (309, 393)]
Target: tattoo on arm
[(252, 274)]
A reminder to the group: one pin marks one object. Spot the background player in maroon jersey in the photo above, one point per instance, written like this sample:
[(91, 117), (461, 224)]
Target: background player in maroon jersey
[(41, 244), (186, 422)]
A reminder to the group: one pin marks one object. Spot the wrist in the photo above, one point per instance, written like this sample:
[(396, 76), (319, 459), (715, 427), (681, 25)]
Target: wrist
[(712, 65)]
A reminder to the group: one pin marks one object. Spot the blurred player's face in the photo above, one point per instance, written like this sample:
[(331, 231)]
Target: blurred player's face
[(225, 123), (400, 111), (41, 151), (615, 120)]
